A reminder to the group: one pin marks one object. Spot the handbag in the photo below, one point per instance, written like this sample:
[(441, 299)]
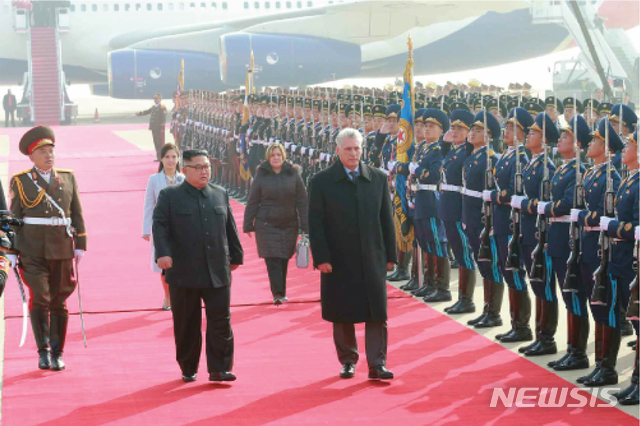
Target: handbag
[(302, 252)]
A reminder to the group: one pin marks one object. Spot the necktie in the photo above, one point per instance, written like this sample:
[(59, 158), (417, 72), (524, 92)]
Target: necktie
[(9, 101), (353, 175)]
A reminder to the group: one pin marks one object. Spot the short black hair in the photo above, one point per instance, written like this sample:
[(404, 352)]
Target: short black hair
[(190, 154)]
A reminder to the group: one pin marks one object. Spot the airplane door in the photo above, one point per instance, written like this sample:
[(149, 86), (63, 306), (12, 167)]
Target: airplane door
[(20, 22), (379, 24), (63, 19)]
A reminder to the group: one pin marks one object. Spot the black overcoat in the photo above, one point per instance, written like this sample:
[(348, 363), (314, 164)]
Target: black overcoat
[(276, 210), (197, 230), (351, 227)]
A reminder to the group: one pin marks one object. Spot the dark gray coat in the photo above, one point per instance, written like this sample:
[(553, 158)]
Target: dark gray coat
[(276, 210), (351, 227), (197, 230)]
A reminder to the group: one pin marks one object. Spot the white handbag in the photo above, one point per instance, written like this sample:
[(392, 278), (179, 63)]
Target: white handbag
[(302, 252)]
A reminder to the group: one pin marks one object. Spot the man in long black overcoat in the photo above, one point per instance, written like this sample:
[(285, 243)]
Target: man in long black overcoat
[(353, 243)]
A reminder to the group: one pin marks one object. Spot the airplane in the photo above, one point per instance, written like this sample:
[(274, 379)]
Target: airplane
[(137, 46)]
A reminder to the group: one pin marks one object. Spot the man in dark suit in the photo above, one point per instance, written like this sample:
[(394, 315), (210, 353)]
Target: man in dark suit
[(9, 104), (353, 242), (197, 246), (157, 122)]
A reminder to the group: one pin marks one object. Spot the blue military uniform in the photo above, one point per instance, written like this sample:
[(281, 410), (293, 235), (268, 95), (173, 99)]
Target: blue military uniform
[(450, 212), (504, 176), (474, 172)]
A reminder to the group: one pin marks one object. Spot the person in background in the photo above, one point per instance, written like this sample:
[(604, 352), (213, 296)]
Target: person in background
[(276, 211), (168, 175), (9, 104), (157, 122)]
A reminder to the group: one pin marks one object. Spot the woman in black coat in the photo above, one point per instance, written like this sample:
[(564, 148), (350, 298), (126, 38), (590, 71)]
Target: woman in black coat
[(276, 211)]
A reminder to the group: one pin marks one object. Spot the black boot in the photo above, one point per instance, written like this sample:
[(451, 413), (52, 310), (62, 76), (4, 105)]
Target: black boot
[(466, 284), (525, 348), (578, 358), (607, 375), (40, 327), (429, 284), (58, 337), (401, 273), (548, 325), (443, 278), (627, 328), (414, 282), (486, 286), (492, 319), (520, 316), (598, 354), (629, 396)]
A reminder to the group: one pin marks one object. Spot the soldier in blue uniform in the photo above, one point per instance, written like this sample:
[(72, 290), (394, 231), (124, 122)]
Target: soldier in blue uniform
[(621, 267), (624, 130), (428, 227), (474, 171), (374, 149), (504, 175), (571, 107), (450, 207), (557, 211), (533, 175), (594, 186)]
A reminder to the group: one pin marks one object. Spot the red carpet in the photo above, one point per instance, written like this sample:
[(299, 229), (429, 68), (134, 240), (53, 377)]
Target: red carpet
[(285, 361)]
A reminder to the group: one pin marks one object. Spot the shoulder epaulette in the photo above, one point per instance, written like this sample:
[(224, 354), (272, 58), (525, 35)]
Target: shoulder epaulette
[(491, 153), (64, 170), (22, 172)]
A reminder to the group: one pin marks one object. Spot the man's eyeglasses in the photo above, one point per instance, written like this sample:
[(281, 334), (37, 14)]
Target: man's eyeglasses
[(200, 167)]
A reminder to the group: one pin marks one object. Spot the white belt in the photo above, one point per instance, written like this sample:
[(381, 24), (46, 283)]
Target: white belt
[(562, 219), (386, 172), (422, 187), (451, 188), (47, 221), (470, 193), (591, 228), (619, 240)]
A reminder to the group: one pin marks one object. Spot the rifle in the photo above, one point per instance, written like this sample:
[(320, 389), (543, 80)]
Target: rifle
[(514, 256), (539, 272), (485, 254), (601, 275)]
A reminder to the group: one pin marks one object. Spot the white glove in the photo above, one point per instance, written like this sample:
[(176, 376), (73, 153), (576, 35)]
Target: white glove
[(391, 165), (486, 195), (604, 222), (412, 168), (574, 214), (541, 206), (78, 254), (637, 232), (13, 259), (516, 201)]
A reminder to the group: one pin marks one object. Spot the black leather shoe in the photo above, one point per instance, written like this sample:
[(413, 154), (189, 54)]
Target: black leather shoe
[(380, 373), (604, 377), (632, 344), (627, 329), (221, 376), (562, 359), (631, 398), (476, 320), (188, 379), (455, 305), (518, 335), (589, 376), (543, 348), (523, 349), (491, 320), (508, 333), (413, 284), (438, 296), (277, 301), (423, 291), (575, 361), (462, 308), (44, 362), (399, 275), (624, 392), (348, 371), (57, 364)]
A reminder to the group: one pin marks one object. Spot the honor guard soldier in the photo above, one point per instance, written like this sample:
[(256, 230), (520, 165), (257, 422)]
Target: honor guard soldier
[(608, 319), (374, 149), (533, 176), (624, 120), (604, 110), (553, 108), (53, 234), (518, 123), (158, 113), (474, 178), (557, 212), (534, 107), (428, 227), (621, 266), (594, 186), (572, 107), (450, 207)]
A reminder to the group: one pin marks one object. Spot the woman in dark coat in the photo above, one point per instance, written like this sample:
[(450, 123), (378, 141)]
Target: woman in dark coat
[(276, 211)]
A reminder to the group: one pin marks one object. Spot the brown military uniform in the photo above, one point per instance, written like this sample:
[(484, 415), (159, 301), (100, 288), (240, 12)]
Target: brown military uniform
[(157, 123), (46, 252)]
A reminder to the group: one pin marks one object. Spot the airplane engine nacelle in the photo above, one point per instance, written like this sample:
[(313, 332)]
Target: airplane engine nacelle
[(286, 60), (140, 73)]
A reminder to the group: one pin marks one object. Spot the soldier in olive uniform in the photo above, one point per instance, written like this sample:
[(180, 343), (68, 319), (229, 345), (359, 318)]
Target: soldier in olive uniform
[(48, 201), (157, 122)]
